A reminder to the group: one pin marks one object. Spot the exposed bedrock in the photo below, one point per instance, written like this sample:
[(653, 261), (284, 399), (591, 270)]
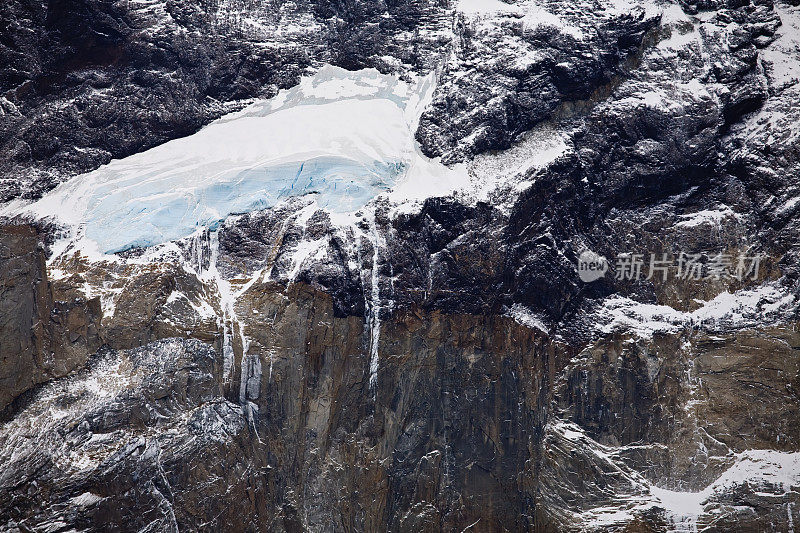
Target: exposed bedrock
[(47, 329)]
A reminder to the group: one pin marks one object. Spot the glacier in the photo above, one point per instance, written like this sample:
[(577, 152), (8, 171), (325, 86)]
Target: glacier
[(342, 136)]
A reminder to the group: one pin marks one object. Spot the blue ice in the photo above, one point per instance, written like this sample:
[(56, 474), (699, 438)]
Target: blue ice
[(139, 218)]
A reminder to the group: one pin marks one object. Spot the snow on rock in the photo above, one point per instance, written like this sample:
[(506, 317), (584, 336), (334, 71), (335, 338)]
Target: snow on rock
[(534, 151), (537, 17), (110, 377), (306, 250), (203, 309), (766, 472), (707, 216), (483, 7), (524, 316), (744, 308), (782, 56)]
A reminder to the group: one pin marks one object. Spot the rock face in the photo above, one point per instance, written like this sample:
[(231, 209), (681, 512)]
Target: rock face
[(108, 447), (523, 69), (48, 329), (429, 366)]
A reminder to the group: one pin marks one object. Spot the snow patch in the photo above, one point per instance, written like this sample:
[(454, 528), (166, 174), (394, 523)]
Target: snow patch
[(203, 309), (538, 17), (307, 250), (483, 7), (783, 55), (744, 308), (86, 499), (774, 471), (707, 216), (524, 316), (766, 472)]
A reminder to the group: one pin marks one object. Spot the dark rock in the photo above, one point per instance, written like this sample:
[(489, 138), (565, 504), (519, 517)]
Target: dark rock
[(46, 332)]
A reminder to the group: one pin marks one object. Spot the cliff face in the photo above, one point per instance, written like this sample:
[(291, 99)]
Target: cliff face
[(48, 329), (288, 422), (429, 365)]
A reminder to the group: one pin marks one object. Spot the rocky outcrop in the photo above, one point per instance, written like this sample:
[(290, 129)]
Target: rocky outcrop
[(464, 422), (47, 329), (114, 447), (516, 69), (416, 435)]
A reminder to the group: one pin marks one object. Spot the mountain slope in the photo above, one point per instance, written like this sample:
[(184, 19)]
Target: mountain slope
[(431, 358)]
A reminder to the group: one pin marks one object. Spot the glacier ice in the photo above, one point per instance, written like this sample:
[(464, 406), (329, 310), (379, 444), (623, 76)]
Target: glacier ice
[(343, 136)]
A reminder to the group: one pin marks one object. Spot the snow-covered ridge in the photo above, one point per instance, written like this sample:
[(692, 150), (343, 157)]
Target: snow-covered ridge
[(344, 136)]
